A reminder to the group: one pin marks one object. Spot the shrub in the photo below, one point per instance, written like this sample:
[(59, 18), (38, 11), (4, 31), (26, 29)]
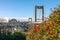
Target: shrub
[(48, 29), (14, 36)]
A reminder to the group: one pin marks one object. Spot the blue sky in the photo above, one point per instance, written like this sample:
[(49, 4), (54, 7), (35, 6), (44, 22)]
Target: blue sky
[(25, 8)]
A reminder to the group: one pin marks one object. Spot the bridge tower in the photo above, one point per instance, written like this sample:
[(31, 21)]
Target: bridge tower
[(39, 7)]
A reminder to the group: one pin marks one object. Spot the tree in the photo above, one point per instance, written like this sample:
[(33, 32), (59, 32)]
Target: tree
[(48, 29)]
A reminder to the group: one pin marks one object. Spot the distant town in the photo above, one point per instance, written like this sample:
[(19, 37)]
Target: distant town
[(12, 25)]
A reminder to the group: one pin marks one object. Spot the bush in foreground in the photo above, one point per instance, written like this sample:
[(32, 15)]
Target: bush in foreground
[(48, 29), (14, 36)]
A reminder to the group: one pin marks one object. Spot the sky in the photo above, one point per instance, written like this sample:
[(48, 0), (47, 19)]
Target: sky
[(25, 8)]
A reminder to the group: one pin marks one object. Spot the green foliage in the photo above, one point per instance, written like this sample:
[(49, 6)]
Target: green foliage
[(48, 29), (19, 36), (14, 36)]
